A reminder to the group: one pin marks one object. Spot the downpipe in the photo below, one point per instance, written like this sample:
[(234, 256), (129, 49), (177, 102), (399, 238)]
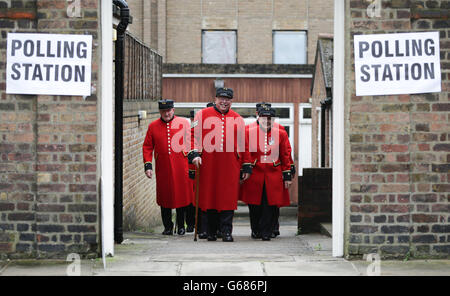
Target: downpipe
[(118, 113)]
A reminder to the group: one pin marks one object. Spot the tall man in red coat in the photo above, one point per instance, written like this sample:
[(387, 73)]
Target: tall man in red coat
[(267, 188), (168, 139), (218, 143)]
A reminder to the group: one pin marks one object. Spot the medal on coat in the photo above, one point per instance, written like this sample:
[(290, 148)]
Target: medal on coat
[(271, 141)]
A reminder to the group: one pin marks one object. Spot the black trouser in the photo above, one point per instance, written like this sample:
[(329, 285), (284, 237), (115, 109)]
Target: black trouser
[(222, 221), (190, 215), (262, 216), (166, 215), (276, 222), (202, 221)]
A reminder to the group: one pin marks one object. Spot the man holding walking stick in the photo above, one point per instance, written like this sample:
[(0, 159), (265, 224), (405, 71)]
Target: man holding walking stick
[(218, 143)]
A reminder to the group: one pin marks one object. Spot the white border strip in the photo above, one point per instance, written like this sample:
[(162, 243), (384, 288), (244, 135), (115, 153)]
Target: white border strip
[(237, 75), (338, 128), (107, 131)]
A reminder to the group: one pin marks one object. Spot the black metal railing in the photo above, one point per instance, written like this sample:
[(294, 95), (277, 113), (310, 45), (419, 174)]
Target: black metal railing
[(143, 71)]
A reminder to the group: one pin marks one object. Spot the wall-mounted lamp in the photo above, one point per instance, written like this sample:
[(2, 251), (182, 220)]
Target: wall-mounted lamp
[(219, 83)]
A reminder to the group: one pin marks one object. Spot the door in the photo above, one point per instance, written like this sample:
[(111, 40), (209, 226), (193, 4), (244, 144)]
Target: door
[(304, 138), (304, 142)]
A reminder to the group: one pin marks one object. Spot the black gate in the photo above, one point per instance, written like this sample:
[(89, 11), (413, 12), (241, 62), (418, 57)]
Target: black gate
[(315, 200)]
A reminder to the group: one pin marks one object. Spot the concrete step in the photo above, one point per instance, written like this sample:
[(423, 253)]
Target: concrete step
[(326, 229), (291, 211)]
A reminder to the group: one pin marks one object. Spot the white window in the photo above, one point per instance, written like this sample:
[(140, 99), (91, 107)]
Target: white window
[(284, 114), (289, 47), (219, 47)]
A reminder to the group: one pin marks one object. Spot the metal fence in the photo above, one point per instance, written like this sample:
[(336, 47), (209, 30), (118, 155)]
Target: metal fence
[(143, 71)]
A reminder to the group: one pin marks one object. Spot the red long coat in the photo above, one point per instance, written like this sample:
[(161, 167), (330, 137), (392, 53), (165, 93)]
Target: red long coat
[(268, 166), (170, 141), (221, 164)]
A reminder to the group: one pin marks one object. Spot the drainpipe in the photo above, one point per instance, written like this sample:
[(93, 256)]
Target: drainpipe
[(118, 112), (324, 105), (322, 134)]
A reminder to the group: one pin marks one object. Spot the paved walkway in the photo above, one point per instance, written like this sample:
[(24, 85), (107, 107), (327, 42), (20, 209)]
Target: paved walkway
[(289, 254)]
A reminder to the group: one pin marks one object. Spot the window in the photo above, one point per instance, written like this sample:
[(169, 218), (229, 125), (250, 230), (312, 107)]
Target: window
[(284, 113), (219, 47), (289, 47)]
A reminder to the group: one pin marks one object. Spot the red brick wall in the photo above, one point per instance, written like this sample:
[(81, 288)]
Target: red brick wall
[(399, 147), (48, 149), (140, 211)]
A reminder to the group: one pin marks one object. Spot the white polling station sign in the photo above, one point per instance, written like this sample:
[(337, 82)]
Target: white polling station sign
[(49, 64), (401, 63)]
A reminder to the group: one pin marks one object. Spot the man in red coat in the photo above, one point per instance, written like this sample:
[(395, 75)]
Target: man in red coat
[(267, 188), (218, 143), (276, 230), (168, 138)]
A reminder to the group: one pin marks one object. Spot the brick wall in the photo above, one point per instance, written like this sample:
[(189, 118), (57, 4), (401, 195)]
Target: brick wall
[(49, 154), (399, 147), (140, 211)]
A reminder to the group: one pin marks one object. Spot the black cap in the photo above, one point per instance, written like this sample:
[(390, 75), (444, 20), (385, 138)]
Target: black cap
[(224, 92), (258, 105), (265, 110), (192, 113), (210, 104), (165, 104)]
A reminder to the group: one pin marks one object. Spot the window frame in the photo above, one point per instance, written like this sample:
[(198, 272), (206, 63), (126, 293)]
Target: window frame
[(293, 31), (203, 43)]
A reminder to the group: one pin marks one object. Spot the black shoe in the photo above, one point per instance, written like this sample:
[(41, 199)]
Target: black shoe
[(190, 228), (227, 237), (266, 238), (276, 232), (211, 238), (202, 235), (167, 231), (255, 235), (219, 234), (181, 231)]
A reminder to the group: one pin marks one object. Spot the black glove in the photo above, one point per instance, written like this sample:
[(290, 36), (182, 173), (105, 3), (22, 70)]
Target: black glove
[(192, 155), (148, 166), (192, 174), (287, 176)]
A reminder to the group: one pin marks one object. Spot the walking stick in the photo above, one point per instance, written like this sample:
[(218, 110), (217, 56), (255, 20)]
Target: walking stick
[(197, 182), (175, 224)]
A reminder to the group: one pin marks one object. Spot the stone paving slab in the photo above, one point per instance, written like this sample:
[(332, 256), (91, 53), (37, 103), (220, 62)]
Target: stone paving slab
[(222, 269), (224, 257), (406, 268), (47, 268), (314, 268), (126, 268)]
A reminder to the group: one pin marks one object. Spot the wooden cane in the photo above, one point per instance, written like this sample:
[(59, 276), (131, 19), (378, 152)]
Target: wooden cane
[(197, 183)]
